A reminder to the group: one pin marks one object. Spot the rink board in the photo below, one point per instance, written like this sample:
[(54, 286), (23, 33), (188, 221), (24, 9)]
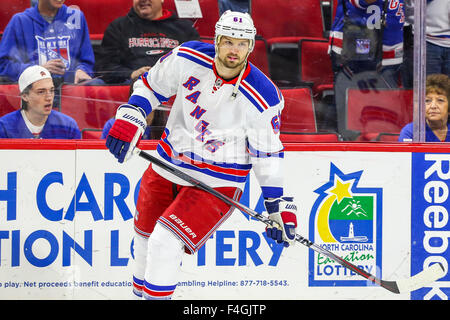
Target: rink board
[(66, 224)]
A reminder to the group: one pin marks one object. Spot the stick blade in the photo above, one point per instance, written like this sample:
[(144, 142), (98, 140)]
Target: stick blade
[(423, 278)]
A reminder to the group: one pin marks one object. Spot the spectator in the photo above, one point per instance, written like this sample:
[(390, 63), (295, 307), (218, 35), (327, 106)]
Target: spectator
[(369, 54), (436, 111), (51, 35), (234, 5), (133, 43), (37, 119)]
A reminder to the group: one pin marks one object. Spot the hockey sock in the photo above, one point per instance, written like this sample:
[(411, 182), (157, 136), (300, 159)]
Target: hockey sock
[(139, 262), (165, 252)]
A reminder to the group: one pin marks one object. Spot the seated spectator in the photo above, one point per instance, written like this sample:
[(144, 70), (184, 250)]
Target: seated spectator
[(37, 119), (436, 111), (51, 35), (134, 43)]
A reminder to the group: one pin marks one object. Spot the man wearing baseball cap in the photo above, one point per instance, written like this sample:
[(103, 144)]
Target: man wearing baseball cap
[(36, 118)]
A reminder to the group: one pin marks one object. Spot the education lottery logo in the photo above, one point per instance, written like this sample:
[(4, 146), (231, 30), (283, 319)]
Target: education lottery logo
[(346, 220)]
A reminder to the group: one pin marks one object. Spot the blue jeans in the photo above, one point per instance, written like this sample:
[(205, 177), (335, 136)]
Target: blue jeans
[(438, 59)]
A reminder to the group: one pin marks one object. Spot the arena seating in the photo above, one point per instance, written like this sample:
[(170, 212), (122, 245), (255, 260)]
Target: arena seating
[(260, 56), (89, 133), (378, 111), (387, 137), (9, 98), (92, 106), (293, 23), (298, 114), (310, 137), (287, 18), (99, 14), (210, 11), (8, 9), (315, 65)]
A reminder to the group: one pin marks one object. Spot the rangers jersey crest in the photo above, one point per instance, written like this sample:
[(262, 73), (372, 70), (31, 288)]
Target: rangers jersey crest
[(54, 48)]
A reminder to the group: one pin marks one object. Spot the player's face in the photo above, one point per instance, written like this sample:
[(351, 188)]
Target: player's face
[(436, 107), (148, 9), (40, 97), (232, 52)]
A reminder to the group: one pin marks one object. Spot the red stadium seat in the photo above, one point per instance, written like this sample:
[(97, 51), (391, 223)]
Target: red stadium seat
[(387, 137), (9, 98), (99, 14), (315, 65), (378, 111), (284, 60), (210, 12), (283, 23), (260, 56), (298, 114), (310, 137), (170, 5), (92, 106), (88, 133), (9, 8), (287, 18)]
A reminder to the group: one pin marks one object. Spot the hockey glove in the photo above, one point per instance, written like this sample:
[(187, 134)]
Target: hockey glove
[(284, 212), (126, 131)]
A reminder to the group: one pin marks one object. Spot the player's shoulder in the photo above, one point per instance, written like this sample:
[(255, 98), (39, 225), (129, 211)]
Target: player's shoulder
[(199, 46), (198, 52), (260, 90)]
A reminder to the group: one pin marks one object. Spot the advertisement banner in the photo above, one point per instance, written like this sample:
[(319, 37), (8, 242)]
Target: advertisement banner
[(430, 230), (66, 228)]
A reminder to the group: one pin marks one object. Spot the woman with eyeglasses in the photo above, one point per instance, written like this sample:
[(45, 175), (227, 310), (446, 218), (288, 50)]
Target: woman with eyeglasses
[(436, 111)]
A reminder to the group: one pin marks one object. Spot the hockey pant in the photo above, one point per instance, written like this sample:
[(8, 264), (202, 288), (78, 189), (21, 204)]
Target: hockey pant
[(171, 219)]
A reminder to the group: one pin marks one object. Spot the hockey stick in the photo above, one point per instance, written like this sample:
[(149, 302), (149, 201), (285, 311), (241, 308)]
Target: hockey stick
[(426, 276)]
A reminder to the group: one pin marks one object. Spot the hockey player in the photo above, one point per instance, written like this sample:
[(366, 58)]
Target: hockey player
[(224, 121)]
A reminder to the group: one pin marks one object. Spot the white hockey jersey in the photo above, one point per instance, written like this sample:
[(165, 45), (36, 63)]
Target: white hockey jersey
[(212, 137)]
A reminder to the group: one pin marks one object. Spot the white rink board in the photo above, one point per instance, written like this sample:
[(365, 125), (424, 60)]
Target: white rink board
[(38, 260)]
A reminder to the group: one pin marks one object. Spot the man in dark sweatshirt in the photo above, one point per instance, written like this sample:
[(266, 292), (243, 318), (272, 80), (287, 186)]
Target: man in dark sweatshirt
[(133, 43)]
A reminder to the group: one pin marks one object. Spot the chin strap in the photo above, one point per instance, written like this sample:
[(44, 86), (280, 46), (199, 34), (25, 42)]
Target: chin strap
[(238, 82)]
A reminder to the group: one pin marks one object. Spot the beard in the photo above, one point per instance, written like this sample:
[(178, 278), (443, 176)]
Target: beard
[(235, 64)]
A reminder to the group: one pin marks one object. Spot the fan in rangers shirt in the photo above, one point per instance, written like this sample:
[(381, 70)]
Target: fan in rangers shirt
[(225, 121)]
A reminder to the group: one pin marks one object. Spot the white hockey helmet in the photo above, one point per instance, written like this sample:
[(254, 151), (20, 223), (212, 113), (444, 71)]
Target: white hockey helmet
[(236, 25)]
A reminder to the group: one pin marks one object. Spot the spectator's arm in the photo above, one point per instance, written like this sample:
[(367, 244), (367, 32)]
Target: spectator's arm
[(13, 60)]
